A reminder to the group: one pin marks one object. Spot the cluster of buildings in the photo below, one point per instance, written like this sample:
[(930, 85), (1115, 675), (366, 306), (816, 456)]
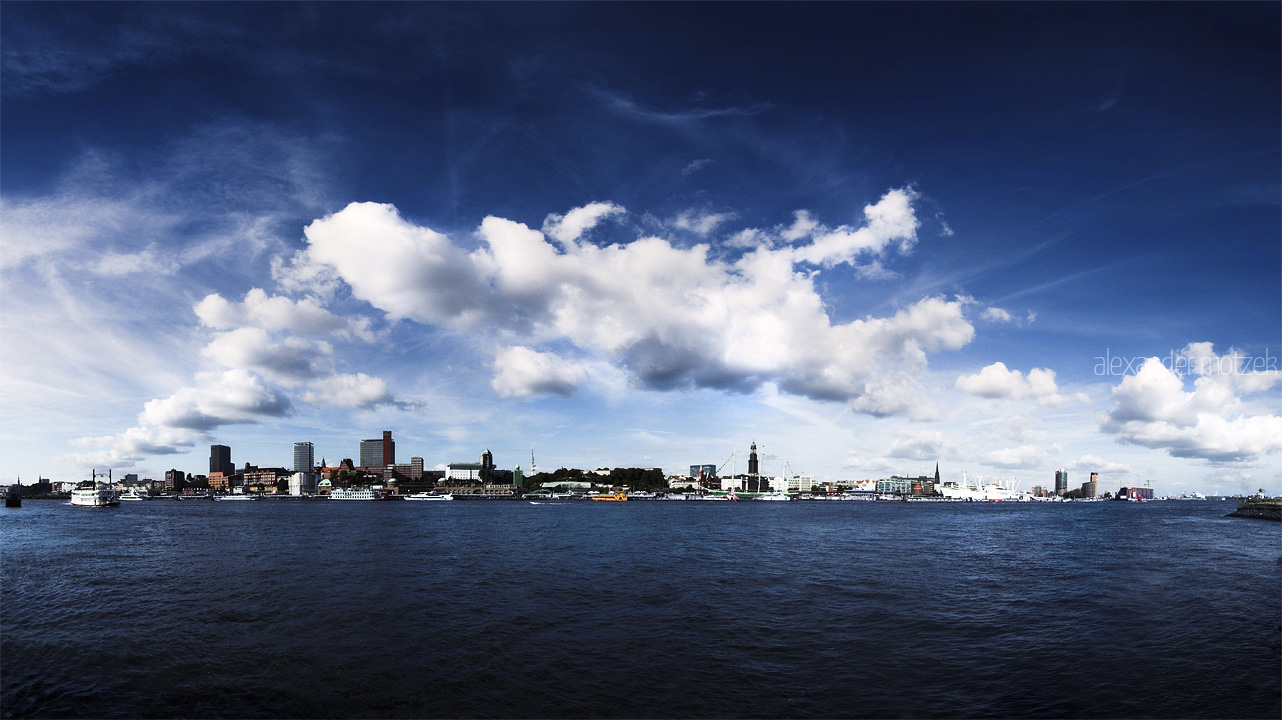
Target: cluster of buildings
[(377, 467)]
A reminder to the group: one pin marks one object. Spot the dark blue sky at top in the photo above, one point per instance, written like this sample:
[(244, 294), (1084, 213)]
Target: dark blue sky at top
[(1112, 167)]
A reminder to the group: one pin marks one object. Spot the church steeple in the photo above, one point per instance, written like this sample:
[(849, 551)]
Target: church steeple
[(752, 459), (936, 472)]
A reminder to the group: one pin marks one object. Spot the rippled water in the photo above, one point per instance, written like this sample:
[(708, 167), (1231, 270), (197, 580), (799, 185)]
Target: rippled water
[(640, 609)]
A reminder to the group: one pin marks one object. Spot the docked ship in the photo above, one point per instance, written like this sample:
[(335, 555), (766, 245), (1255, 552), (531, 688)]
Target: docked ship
[(354, 494), (133, 494), (225, 498), (978, 490), (775, 495), (92, 493), (612, 497), (429, 496)]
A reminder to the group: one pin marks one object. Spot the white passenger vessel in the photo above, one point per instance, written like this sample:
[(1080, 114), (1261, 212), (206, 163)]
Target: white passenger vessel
[(92, 493), (353, 494), (429, 496)]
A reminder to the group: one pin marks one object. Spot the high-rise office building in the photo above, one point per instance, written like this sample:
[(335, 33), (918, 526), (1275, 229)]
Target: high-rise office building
[(378, 452), (220, 460), (371, 453), (304, 457), (1061, 481), (1091, 489), (703, 471)]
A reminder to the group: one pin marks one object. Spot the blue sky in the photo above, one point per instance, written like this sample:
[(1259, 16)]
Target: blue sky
[(871, 237)]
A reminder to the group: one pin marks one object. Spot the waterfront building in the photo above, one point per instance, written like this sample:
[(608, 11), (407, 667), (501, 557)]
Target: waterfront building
[(378, 453), (463, 472), (894, 485), (174, 479), (800, 484), (1090, 489), (304, 457), (220, 460), (1136, 493), (262, 479), (224, 482), (1061, 481), (302, 483), (416, 468)]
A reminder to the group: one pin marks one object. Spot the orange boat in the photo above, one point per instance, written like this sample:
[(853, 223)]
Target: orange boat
[(614, 497)]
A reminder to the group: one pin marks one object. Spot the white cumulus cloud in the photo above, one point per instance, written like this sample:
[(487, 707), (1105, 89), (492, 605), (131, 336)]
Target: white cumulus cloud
[(571, 226), (1024, 457), (234, 396), (1216, 421), (351, 391), (998, 381), (289, 362), (701, 223), (278, 313), (520, 372), (996, 314), (1093, 463), (669, 316)]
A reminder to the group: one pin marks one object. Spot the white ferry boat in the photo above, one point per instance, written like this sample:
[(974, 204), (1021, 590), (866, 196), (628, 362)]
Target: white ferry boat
[(226, 498), (133, 494), (92, 493), (429, 496), (353, 494)]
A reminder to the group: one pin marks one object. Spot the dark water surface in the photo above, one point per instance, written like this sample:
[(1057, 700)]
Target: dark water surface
[(639, 609)]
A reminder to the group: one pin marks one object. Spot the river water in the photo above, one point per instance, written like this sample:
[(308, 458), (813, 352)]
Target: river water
[(639, 609)]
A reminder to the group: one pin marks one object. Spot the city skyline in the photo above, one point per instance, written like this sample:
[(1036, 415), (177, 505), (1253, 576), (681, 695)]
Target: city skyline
[(1007, 238)]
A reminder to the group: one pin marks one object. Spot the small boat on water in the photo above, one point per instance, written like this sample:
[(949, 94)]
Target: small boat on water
[(132, 494), (430, 497), (226, 498), (612, 497), (92, 493)]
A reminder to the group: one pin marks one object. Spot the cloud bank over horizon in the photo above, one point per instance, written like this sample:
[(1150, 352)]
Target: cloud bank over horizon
[(336, 221), (562, 313)]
